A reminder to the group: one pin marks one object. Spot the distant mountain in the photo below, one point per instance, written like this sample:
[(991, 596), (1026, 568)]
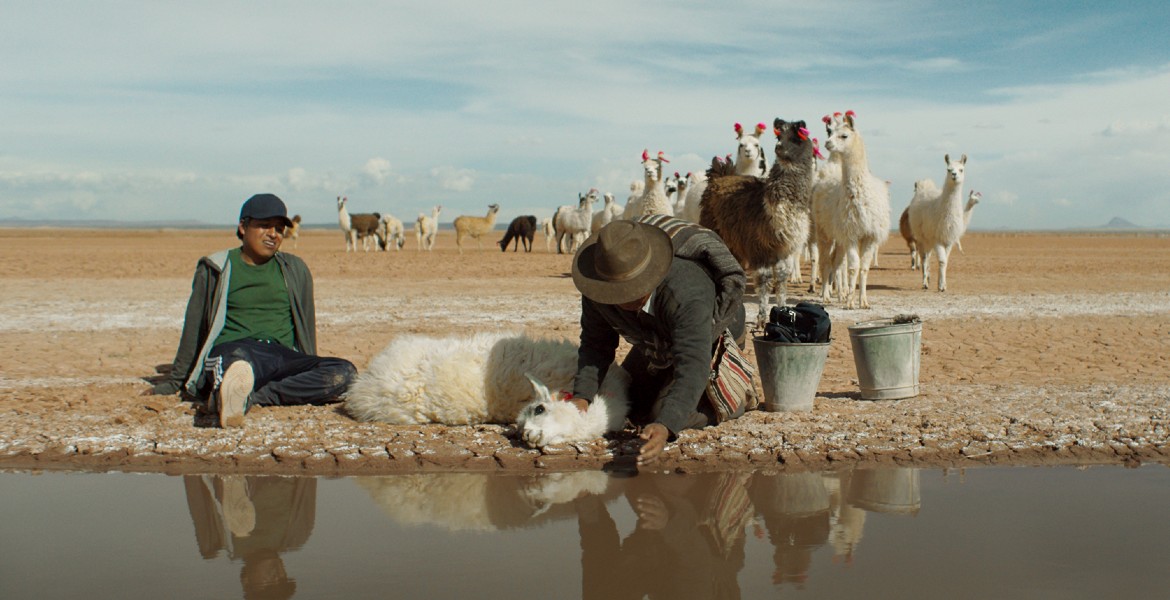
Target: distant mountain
[(1119, 223)]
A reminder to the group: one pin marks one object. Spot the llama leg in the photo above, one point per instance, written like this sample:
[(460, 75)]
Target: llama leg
[(943, 255), (763, 285), (867, 258), (924, 264), (853, 276)]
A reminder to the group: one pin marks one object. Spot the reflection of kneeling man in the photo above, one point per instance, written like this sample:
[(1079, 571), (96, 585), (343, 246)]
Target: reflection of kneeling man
[(253, 519), (671, 309)]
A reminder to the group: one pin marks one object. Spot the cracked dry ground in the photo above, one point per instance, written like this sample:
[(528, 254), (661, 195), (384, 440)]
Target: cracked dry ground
[(1047, 348)]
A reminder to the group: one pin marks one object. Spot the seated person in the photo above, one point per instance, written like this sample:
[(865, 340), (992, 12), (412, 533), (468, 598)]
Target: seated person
[(250, 332)]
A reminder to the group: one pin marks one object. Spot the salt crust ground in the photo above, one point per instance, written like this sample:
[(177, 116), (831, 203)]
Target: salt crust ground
[(1047, 349)]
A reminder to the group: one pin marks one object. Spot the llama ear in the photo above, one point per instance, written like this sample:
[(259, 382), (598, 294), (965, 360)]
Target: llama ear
[(947, 159), (964, 159), (540, 389)]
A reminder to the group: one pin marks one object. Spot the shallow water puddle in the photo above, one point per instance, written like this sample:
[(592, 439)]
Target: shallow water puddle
[(980, 533)]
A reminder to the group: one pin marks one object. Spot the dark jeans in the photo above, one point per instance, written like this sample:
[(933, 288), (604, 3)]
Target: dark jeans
[(285, 377), (648, 387)]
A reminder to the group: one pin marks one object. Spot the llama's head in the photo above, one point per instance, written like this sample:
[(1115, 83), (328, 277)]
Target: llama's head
[(750, 153), (608, 199), (652, 167), (493, 209), (840, 132), (955, 168), (340, 202), (671, 184), (548, 420), (973, 199), (792, 141)]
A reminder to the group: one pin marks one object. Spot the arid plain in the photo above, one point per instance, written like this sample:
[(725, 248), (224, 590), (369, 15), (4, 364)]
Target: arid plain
[(1046, 348)]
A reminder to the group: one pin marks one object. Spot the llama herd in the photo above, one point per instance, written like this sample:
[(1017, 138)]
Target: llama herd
[(771, 211)]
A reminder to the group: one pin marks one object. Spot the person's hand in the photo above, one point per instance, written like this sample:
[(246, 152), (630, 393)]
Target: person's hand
[(581, 403), (652, 512), (655, 436)]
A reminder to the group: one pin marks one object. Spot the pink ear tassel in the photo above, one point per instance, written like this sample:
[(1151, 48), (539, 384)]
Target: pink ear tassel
[(738, 128), (803, 133), (761, 128), (662, 156), (646, 155)]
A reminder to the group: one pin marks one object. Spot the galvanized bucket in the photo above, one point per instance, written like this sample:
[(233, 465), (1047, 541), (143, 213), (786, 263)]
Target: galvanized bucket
[(887, 356), (790, 373), (885, 490)]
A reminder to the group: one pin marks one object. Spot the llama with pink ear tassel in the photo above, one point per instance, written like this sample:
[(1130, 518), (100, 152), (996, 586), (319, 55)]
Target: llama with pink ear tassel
[(653, 200)]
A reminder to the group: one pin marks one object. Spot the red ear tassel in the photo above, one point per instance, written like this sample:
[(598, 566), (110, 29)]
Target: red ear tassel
[(775, 132), (738, 128), (803, 133), (836, 114), (850, 113), (825, 119), (646, 155), (761, 128), (662, 156)]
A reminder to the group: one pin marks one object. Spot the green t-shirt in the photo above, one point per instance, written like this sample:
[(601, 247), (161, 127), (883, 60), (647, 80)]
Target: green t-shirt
[(258, 307)]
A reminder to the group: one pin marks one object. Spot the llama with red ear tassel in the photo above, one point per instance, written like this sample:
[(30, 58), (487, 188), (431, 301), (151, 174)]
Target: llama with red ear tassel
[(764, 221), (853, 220), (653, 200)]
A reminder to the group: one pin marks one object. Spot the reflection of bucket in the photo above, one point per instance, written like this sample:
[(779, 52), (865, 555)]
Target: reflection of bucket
[(885, 490), (794, 494), (887, 358), (790, 373)]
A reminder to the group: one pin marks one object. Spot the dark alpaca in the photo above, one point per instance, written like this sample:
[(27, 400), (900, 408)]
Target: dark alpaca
[(521, 229), (764, 221)]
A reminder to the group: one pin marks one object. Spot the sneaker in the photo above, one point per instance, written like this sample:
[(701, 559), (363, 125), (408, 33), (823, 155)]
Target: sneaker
[(233, 394), (238, 510)]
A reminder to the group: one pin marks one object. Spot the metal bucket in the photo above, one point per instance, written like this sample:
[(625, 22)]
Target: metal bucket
[(885, 490), (887, 358), (790, 373), (793, 494)]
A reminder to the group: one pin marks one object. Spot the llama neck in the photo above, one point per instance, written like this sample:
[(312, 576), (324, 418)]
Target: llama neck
[(855, 164), (749, 167), (343, 217), (952, 195)]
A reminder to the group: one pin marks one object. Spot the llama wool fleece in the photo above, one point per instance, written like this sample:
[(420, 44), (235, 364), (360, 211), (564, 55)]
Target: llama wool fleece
[(458, 380)]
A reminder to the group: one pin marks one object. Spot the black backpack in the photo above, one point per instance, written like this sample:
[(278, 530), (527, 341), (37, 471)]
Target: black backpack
[(804, 323)]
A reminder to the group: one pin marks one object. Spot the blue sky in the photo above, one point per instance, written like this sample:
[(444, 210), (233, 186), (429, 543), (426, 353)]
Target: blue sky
[(148, 111)]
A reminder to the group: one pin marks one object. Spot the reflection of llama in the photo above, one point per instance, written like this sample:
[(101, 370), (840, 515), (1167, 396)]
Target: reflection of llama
[(460, 380), (426, 228), (482, 501), (937, 219)]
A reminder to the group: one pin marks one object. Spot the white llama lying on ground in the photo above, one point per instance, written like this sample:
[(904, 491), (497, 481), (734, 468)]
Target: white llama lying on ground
[(480, 378)]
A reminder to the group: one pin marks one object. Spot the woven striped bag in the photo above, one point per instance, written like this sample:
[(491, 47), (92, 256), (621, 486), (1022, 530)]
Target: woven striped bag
[(729, 388)]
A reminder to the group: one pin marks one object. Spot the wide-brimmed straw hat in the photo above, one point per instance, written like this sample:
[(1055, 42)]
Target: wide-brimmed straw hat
[(625, 261)]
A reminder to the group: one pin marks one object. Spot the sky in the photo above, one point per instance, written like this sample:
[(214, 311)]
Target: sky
[(160, 111)]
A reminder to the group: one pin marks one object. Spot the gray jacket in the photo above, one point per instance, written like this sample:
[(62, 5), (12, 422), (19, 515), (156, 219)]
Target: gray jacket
[(207, 310)]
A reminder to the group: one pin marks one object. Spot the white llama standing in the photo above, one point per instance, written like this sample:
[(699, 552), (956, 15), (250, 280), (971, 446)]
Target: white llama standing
[(854, 219), (937, 219)]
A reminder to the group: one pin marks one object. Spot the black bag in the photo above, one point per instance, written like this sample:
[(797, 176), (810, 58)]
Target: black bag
[(806, 323)]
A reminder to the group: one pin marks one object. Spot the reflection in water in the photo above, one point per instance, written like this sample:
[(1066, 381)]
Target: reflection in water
[(689, 537), (254, 520), (482, 501)]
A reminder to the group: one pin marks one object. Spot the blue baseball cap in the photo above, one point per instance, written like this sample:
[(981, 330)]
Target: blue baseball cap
[(265, 206)]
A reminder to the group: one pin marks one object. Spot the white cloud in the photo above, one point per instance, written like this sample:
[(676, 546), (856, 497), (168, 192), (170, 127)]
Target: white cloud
[(377, 170), (453, 179)]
